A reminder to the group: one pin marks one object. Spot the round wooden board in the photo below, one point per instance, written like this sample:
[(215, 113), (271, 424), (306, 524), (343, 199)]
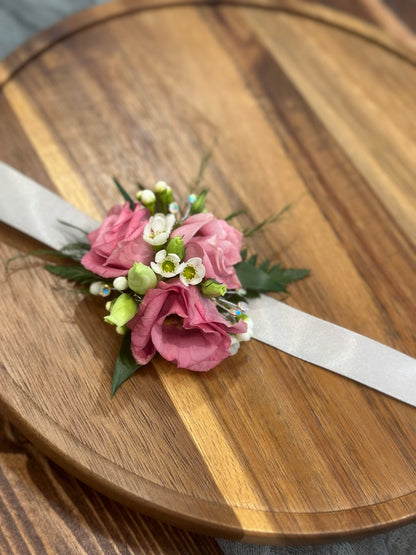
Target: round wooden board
[(306, 105)]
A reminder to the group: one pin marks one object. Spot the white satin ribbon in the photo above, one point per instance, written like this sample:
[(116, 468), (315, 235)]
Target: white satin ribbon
[(34, 210), (334, 348)]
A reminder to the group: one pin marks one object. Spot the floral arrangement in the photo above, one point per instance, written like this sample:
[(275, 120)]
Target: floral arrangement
[(175, 279)]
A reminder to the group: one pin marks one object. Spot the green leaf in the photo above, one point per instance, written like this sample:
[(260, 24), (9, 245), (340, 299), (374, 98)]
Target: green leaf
[(261, 280), (125, 366), (74, 250), (275, 267), (204, 162), (199, 205), (74, 273), (255, 279), (79, 245), (265, 265), (249, 232), (37, 252), (267, 221), (72, 226), (287, 275), (124, 193), (235, 214)]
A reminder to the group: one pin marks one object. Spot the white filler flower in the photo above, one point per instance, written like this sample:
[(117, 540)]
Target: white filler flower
[(167, 265), (158, 229), (193, 271)]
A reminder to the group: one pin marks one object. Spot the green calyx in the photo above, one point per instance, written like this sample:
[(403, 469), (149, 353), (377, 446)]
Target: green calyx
[(212, 288), (122, 311), (148, 199)]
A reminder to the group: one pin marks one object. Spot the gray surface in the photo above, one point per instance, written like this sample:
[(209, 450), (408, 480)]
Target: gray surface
[(19, 20), (398, 542)]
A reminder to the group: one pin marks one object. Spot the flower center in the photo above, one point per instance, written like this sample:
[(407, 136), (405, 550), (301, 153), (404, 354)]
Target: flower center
[(173, 320), (168, 266), (189, 272)]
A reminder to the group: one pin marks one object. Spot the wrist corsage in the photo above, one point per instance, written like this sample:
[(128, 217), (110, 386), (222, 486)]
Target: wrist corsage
[(175, 279)]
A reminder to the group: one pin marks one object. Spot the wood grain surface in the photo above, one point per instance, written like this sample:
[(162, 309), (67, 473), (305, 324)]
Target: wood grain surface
[(305, 105), (44, 510)]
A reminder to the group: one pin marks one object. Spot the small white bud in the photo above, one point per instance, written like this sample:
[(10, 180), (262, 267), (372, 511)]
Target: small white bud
[(120, 283), (161, 187), (147, 197)]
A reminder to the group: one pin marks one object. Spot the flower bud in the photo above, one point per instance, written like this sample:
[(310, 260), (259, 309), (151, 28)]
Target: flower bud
[(163, 196), (175, 246), (120, 283), (160, 187), (148, 199), (141, 278), (122, 310), (212, 288), (169, 195), (199, 204)]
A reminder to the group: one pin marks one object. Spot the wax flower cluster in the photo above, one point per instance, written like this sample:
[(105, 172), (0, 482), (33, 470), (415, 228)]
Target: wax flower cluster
[(170, 279)]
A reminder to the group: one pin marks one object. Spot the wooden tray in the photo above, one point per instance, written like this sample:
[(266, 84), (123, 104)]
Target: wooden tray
[(306, 105)]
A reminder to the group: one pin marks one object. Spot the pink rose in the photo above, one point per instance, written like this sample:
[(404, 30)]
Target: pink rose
[(118, 242), (183, 326), (216, 242)]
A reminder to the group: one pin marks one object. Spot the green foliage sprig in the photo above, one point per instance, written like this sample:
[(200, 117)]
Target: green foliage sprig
[(265, 277), (75, 272), (125, 365)]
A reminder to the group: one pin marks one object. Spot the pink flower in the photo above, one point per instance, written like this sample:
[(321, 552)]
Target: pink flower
[(118, 242), (216, 243), (183, 326)]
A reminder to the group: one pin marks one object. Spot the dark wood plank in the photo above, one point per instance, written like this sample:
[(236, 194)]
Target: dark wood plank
[(44, 510)]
